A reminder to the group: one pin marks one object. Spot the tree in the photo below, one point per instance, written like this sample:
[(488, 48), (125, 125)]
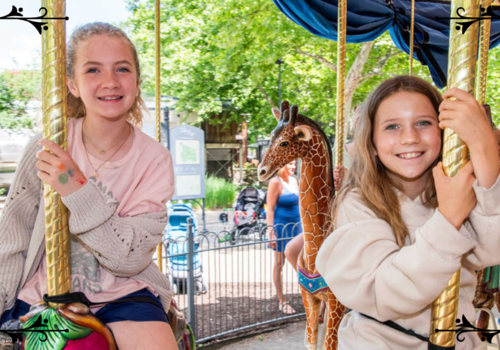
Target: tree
[(493, 84), (219, 55), (16, 90)]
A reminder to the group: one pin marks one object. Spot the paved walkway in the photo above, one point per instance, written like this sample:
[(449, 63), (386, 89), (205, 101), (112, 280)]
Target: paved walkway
[(289, 337)]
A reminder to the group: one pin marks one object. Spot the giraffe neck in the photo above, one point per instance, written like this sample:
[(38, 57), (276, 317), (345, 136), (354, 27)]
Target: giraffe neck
[(315, 196)]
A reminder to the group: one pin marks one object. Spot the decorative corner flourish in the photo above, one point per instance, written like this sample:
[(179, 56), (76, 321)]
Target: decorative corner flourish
[(16, 14), (40, 322), (486, 14), (486, 334)]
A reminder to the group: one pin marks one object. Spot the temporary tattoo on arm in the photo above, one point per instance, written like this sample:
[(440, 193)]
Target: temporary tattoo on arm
[(70, 172), (82, 180), (61, 167), (63, 178)]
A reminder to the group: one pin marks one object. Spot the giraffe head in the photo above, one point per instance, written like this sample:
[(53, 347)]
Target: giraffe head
[(289, 141)]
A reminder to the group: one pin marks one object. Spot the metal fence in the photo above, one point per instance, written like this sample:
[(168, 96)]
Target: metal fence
[(224, 281)]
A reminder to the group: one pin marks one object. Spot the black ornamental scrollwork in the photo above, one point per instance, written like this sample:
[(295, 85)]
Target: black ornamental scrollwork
[(16, 14)]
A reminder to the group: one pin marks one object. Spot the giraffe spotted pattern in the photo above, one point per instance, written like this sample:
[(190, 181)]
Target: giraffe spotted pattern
[(297, 136)]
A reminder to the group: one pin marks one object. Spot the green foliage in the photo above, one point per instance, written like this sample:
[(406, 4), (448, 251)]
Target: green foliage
[(16, 90), (219, 193), (216, 51), (493, 85), (15, 121), (222, 53)]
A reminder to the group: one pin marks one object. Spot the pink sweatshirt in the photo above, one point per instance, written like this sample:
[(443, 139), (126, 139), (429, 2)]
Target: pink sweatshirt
[(141, 182), (370, 274)]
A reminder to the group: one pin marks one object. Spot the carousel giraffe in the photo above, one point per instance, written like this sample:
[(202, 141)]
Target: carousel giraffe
[(297, 136)]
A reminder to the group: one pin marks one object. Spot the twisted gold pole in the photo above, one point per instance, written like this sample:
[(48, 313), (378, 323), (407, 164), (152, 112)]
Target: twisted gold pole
[(461, 73), (341, 52), (412, 34), (159, 249), (482, 59), (54, 129), (481, 78)]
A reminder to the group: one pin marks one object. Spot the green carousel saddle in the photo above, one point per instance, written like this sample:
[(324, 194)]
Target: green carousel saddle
[(491, 283)]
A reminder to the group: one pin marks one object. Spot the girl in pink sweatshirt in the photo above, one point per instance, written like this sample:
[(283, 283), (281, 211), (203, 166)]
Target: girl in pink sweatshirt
[(115, 182), (401, 230)]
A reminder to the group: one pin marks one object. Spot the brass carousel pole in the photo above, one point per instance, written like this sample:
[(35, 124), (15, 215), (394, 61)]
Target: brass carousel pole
[(341, 53), (461, 73), (481, 78), (412, 35), (159, 249), (54, 129)]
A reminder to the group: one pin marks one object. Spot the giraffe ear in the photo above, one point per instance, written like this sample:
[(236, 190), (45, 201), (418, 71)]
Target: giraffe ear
[(303, 133), (276, 114)]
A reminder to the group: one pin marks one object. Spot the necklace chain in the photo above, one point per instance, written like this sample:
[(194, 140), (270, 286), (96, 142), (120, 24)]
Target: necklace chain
[(99, 167), (100, 150)]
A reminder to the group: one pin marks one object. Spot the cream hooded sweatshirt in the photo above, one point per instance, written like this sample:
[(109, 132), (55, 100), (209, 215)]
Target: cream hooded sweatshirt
[(370, 274)]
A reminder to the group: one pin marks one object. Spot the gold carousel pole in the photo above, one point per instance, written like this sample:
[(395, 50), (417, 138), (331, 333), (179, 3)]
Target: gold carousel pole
[(412, 35), (54, 129), (341, 52), (481, 78), (461, 73), (482, 59), (159, 249)]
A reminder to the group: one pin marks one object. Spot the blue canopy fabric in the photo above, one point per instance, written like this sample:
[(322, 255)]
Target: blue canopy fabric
[(368, 19)]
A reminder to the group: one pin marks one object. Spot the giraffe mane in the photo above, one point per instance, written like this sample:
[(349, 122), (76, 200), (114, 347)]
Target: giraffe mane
[(302, 119)]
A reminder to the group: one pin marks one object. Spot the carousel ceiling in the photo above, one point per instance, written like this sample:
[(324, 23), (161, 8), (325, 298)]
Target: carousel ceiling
[(368, 19)]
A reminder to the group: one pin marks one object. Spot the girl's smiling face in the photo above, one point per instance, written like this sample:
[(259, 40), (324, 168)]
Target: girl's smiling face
[(407, 137), (105, 77)]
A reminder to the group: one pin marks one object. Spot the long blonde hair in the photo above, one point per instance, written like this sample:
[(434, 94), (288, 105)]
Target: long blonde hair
[(367, 175), (76, 108)]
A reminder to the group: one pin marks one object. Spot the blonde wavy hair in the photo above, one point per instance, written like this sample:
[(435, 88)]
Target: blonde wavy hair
[(76, 108), (368, 176)]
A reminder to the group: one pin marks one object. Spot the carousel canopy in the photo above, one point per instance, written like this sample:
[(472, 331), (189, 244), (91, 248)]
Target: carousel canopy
[(368, 19)]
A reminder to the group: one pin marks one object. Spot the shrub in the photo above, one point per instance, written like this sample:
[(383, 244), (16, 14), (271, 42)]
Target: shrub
[(219, 193)]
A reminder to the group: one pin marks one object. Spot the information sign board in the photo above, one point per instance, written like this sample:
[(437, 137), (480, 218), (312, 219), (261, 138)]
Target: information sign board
[(187, 146)]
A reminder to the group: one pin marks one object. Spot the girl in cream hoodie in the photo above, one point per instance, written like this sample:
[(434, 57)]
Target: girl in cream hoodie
[(402, 227)]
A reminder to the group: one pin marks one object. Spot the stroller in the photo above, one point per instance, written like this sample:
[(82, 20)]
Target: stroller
[(248, 216), (175, 240)]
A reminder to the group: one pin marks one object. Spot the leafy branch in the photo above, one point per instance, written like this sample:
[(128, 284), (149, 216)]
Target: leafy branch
[(319, 58), (266, 96)]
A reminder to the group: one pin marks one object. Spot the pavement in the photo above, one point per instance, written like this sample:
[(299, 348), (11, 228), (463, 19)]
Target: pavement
[(289, 337), (212, 220)]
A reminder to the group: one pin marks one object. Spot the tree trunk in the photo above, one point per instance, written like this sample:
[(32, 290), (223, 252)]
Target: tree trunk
[(354, 76)]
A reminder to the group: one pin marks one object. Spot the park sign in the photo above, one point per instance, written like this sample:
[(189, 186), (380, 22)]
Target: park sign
[(188, 152)]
